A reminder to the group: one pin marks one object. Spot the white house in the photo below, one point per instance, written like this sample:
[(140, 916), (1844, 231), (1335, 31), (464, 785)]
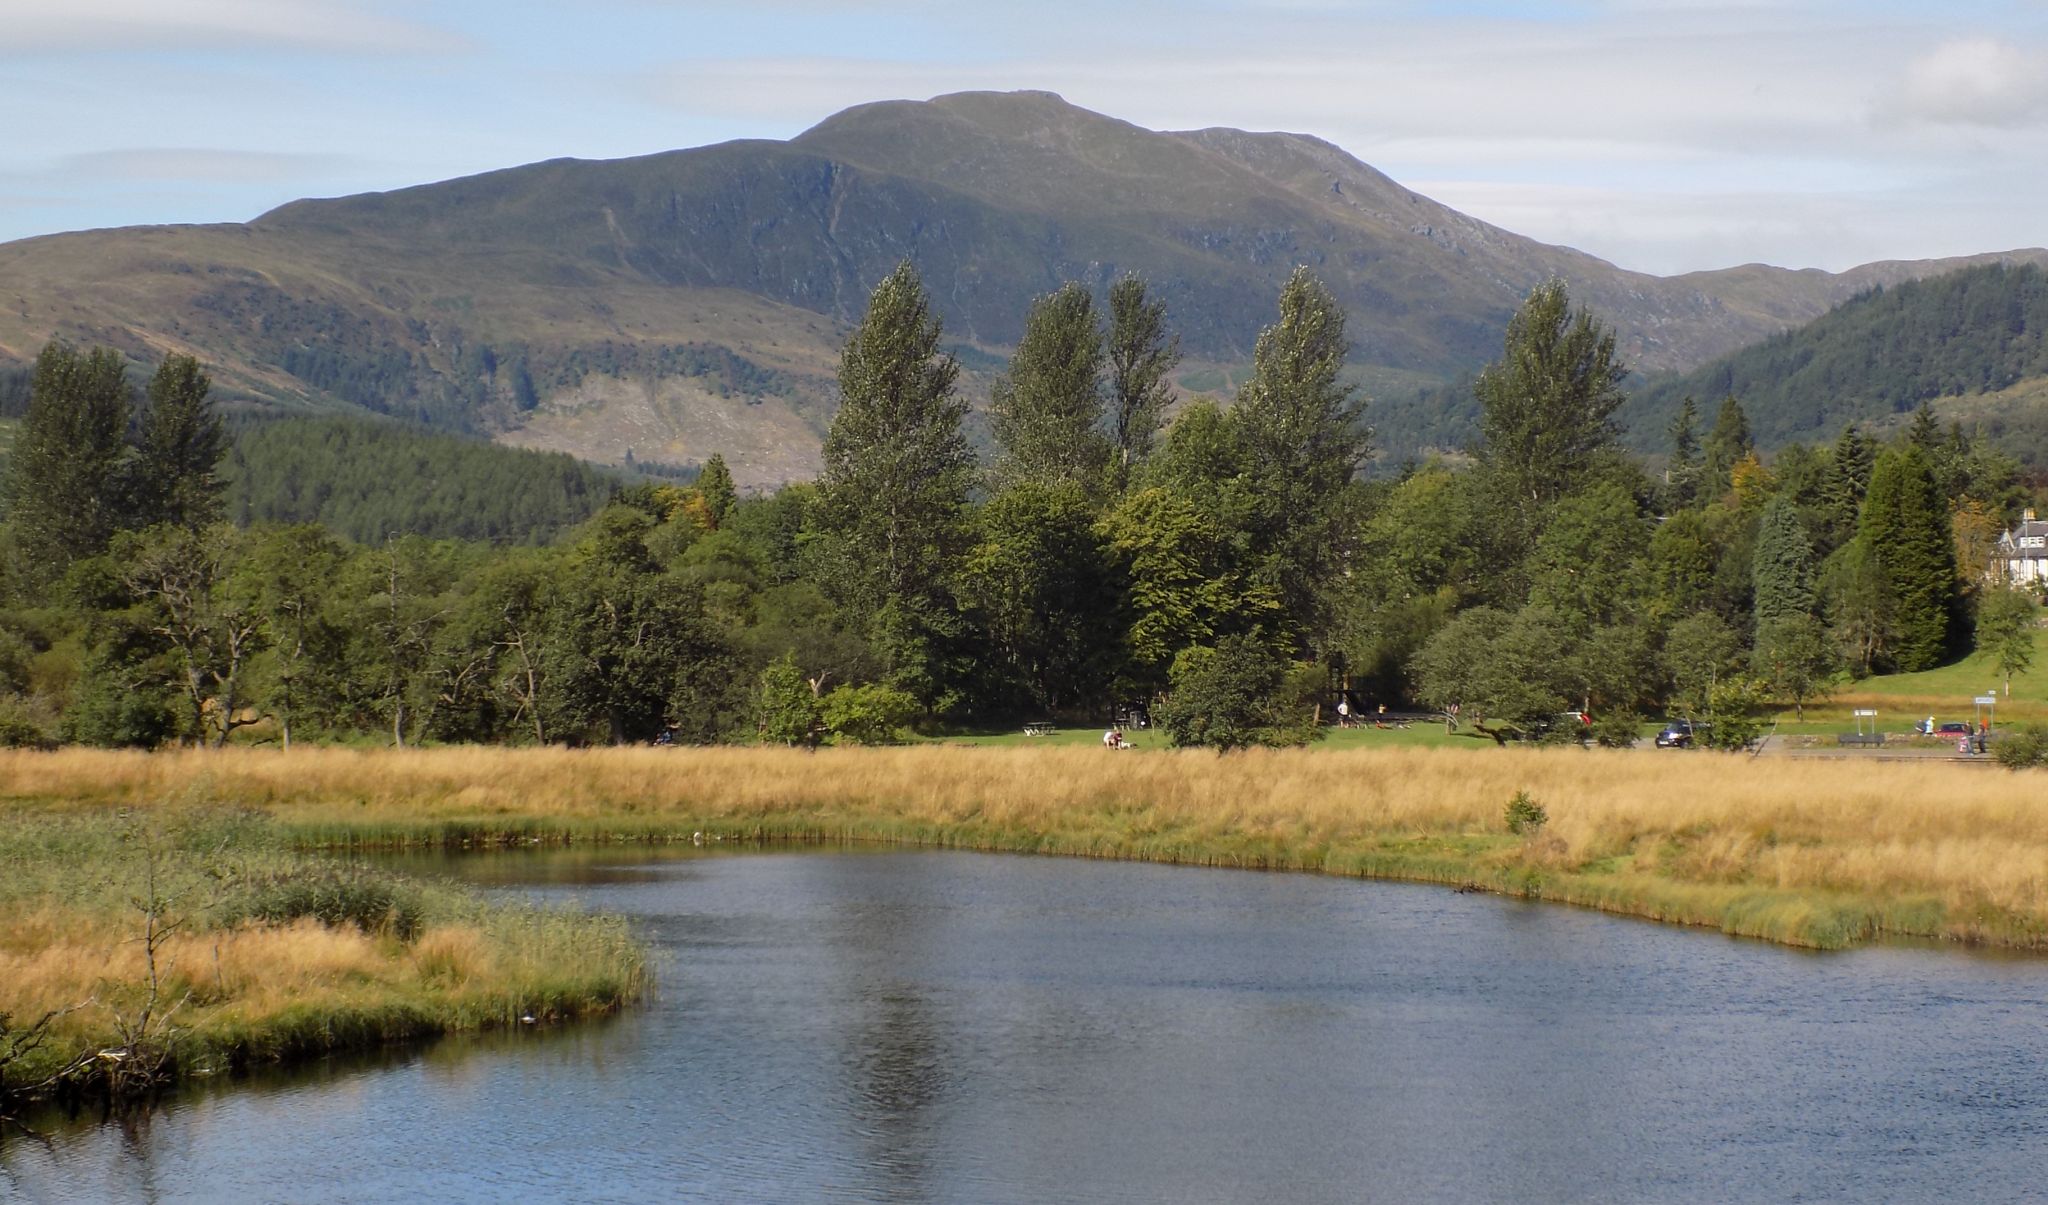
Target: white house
[(2023, 552)]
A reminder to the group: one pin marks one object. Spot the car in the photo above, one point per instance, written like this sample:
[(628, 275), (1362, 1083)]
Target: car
[(1954, 728), (1679, 734)]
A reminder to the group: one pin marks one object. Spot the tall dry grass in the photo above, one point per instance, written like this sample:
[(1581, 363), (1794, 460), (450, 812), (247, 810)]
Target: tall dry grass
[(1821, 853), (184, 939)]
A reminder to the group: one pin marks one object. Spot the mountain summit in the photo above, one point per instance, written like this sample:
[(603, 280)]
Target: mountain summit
[(677, 304)]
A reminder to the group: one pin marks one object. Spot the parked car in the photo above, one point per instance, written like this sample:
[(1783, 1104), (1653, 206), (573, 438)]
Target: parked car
[(1679, 734), (1954, 728)]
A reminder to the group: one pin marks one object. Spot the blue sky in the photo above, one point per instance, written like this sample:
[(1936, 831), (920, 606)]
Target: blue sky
[(1665, 135)]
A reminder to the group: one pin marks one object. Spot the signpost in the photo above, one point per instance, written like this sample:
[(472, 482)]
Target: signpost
[(1862, 715), (1987, 713)]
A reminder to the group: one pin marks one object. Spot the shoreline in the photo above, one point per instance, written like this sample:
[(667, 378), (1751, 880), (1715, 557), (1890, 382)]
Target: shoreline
[(1823, 855), (142, 949)]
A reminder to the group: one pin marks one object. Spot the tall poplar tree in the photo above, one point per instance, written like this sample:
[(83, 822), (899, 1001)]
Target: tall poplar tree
[(1547, 405), (1141, 355), (63, 477), (183, 441), (1047, 409), (1905, 527), (1302, 435), (897, 469)]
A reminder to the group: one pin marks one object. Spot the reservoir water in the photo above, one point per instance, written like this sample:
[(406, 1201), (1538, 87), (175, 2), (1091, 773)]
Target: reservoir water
[(952, 1027)]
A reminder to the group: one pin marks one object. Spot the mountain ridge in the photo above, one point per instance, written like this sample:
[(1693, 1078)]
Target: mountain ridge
[(693, 300)]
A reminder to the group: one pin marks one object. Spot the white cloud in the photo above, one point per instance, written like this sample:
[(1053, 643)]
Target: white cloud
[(1976, 81), (40, 26)]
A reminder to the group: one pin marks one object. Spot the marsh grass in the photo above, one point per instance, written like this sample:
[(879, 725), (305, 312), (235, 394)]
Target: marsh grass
[(1821, 854), (262, 953)]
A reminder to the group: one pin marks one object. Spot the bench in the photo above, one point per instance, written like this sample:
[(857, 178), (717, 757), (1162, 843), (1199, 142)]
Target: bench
[(1038, 730), (1854, 738)]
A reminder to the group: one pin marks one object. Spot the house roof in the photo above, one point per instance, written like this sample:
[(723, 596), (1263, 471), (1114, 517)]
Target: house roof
[(2015, 544)]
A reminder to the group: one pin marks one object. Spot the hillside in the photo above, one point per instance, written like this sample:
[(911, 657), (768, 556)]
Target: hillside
[(369, 480), (1981, 331), (693, 301)]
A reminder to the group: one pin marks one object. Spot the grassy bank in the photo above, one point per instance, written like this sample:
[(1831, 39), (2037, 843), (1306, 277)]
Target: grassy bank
[(141, 948), (1821, 855)]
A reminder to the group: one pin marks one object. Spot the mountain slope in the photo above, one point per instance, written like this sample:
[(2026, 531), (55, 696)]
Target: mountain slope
[(693, 301), (1980, 330)]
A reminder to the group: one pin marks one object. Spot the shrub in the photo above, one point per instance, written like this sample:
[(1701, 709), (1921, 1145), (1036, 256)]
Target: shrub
[(2024, 748), (1732, 714), (21, 727), (1238, 694), (1617, 728), (868, 715), (787, 710), (1524, 815)]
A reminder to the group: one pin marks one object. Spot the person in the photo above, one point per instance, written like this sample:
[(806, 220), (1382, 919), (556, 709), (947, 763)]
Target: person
[(1113, 739), (1927, 726), (1343, 713)]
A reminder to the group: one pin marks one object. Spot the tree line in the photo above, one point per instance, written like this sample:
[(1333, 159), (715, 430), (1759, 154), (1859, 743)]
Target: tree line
[(1224, 565)]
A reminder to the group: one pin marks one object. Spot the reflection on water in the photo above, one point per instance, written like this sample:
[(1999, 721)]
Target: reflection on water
[(956, 1027)]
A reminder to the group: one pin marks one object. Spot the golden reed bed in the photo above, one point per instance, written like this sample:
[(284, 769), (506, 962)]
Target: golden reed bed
[(1816, 853)]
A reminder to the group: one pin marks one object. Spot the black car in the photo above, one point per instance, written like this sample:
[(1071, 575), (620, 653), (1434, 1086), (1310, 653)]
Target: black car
[(1679, 734)]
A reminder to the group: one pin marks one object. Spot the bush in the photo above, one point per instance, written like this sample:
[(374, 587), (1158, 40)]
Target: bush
[(1617, 728), (2022, 749), (1239, 694), (785, 705), (1732, 722), (1524, 815), (868, 715), (21, 727)]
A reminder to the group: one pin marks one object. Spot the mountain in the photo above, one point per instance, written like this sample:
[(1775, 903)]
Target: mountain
[(1977, 332), (677, 304)]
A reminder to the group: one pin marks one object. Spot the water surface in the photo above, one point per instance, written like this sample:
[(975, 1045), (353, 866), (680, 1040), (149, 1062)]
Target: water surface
[(930, 1026)]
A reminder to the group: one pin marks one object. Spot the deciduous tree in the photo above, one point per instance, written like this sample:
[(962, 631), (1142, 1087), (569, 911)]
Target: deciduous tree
[(1047, 409)]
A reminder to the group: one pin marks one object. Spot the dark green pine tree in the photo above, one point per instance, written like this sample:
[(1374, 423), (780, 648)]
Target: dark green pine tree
[(1681, 477), (1303, 438), (1047, 409), (714, 483), (1848, 478), (1141, 355), (175, 479), (63, 477), (1782, 570), (1726, 444), (1925, 431), (1906, 528)]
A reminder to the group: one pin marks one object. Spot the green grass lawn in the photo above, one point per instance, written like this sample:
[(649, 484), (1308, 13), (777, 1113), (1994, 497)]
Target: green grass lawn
[(1901, 700), (1418, 735), (1945, 692)]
